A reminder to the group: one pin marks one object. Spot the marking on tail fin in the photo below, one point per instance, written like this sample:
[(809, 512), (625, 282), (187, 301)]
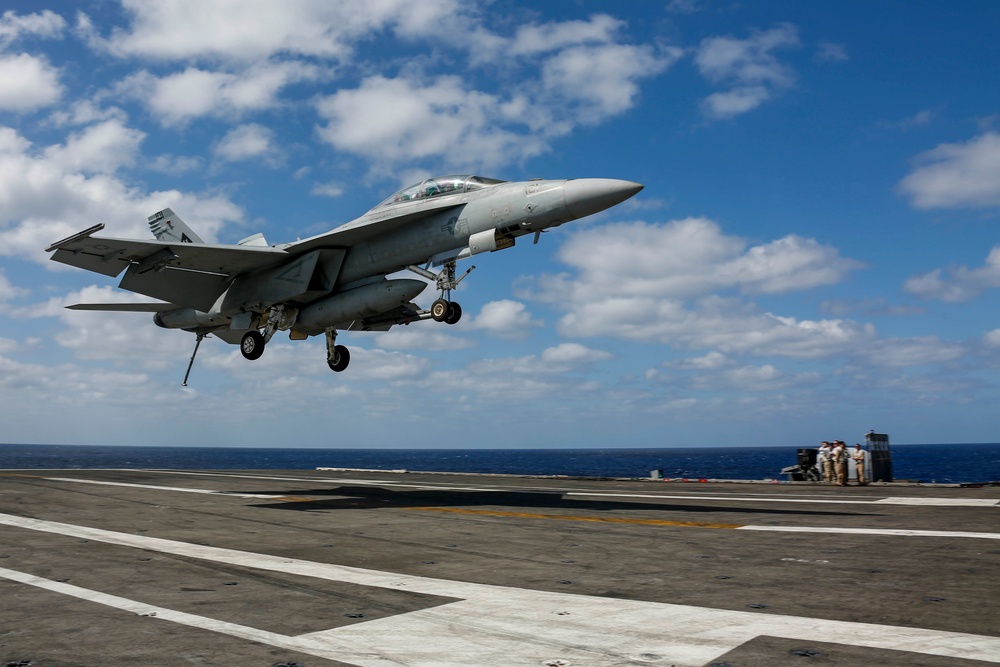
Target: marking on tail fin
[(168, 226)]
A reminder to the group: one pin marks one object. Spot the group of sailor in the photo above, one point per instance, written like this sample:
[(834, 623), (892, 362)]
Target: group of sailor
[(832, 462)]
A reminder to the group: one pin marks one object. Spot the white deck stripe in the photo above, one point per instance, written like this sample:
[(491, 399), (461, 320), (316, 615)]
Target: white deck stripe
[(159, 488), (941, 502), (873, 531), (512, 626)]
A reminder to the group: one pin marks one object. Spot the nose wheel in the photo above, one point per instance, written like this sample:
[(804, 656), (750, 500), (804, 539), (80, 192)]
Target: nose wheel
[(449, 312)]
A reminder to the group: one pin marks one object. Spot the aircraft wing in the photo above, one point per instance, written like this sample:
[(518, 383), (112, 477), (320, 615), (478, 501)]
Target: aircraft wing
[(161, 307), (111, 256), (186, 274), (366, 228)]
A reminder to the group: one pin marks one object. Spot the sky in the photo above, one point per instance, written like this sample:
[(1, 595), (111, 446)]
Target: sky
[(815, 253)]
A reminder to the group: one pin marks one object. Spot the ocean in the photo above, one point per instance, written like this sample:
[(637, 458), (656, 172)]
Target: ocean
[(946, 463)]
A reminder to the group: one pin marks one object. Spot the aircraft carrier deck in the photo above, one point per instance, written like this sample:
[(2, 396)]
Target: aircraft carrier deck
[(321, 568)]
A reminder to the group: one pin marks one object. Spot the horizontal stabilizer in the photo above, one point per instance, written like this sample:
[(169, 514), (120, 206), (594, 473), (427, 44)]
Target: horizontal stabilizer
[(126, 307)]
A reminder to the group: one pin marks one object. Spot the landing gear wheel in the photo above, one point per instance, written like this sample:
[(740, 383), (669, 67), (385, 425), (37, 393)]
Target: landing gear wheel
[(454, 313), (252, 345), (341, 358), (439, 310)]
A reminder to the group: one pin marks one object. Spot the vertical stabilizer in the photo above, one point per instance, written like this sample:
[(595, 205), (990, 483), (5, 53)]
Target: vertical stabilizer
[(168, 226)]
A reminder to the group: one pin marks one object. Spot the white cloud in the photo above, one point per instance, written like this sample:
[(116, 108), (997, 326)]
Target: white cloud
[(711, 361), (250, 29), (247, 142), (331, 189), (505, 319), (102, 148), (961, 283), (747, 67), (48, 194), (957, 175), (177, 98), (572, 355), (27, 83), (656, 283), (754, 379), (9, 291), (396, 120), (46, 24), (603, 79), (912, 351), (422, 337), (691, 257), (534, 39)]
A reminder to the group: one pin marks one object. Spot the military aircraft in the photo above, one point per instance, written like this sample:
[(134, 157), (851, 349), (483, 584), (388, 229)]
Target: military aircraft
[(245, 293)]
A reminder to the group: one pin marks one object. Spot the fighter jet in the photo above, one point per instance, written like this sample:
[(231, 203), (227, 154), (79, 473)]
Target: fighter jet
[(246, 293)]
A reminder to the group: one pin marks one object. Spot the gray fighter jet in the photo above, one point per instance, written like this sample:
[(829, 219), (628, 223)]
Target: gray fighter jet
[(245, 293)]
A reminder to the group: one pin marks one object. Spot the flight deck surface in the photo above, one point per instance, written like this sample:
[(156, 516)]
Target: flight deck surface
[(329, 567)]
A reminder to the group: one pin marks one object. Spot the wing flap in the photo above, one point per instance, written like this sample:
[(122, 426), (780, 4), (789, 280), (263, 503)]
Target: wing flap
[(193, 289)]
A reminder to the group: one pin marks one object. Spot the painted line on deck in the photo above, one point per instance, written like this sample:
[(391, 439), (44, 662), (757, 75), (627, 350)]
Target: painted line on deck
[(154, 487), (583, 518), (902, 500), (874, 531), (700, 524), (526, 627), (573, 517)]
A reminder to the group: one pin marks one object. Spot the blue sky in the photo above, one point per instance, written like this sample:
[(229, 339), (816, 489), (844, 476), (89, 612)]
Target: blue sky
[(814, 255)]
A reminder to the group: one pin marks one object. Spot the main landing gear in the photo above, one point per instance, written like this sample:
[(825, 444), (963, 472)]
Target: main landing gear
[(337, 356), (444, 309)]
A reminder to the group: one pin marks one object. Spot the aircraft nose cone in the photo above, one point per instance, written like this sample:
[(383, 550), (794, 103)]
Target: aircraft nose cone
[(586, 196)]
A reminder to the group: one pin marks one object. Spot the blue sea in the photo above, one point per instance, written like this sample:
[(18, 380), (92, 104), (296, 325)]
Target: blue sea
[(947, 463)]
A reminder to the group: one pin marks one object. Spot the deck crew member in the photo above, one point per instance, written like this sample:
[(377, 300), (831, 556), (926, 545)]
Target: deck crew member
[(859, 463), (840, 462), (824, 462)]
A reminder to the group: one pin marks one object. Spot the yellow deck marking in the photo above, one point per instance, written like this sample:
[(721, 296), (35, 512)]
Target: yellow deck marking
[(571, 517)]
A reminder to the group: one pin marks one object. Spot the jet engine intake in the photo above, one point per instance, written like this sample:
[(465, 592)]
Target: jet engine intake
[(489, 240)]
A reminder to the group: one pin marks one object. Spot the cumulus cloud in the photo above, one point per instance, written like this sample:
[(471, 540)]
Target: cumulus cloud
[(747, 67), (27, 83), (248, 142), (193, 93), (602, 81), (101, 148), (961, 175), (659, 283), (957, 284), (534, 39), (251, 29), (690, 257), (505, 319), (46, 24), (9, 291), (398, 119), (46, 193)]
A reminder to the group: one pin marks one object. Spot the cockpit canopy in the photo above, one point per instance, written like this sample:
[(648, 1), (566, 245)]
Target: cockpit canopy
[(440, 186)]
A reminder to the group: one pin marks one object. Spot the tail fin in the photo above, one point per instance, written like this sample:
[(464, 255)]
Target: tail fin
[(168, 226)]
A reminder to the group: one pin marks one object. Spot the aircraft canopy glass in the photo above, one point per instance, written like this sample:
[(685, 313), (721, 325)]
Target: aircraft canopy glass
[(440, 186)]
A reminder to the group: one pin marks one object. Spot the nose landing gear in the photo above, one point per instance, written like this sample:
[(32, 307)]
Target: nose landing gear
[(444, 309)]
